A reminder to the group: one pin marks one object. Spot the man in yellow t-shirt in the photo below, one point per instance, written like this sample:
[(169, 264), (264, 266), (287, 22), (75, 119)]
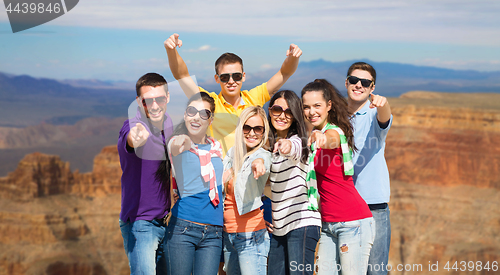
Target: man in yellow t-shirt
[(231, 101)]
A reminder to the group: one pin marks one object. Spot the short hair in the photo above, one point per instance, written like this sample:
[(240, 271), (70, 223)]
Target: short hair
[(150, 79), (364, 67), (227, 58)]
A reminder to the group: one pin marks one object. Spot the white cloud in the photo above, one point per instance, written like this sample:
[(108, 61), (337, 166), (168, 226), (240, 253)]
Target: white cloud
[(203, 48), (445, 21), (480, 65)]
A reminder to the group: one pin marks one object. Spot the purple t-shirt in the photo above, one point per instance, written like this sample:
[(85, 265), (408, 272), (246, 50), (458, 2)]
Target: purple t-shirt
[(142, 197)]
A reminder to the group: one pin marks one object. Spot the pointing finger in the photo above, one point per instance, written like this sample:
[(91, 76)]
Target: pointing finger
[(276, 147)]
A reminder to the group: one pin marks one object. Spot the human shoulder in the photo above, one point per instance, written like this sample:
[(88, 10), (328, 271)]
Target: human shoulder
[(261, 153), (256, 96), (211, 94)]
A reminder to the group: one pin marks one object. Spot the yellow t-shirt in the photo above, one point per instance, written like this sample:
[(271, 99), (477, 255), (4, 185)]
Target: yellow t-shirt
[(226, 116)]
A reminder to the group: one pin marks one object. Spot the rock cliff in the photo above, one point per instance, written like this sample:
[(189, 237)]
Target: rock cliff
[(443, 153), (54, 221)]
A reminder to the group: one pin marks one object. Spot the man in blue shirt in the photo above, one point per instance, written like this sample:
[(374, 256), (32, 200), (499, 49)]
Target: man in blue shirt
[(372, 120)]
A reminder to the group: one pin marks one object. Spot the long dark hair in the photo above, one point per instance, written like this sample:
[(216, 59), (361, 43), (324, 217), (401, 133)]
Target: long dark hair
[(162, 174), (298, 126), (338, 114)]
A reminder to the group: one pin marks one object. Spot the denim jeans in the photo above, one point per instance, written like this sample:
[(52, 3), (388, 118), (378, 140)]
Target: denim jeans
[(143, 243), (379, 256), (345, 247), (192, 248), (246, 253), (293, 253)]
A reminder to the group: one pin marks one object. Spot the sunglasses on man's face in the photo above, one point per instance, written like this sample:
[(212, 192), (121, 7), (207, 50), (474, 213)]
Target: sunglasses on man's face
[(364, 82), (204, 114), (235, 76), (258, 130), (148, 102), (277, 110)]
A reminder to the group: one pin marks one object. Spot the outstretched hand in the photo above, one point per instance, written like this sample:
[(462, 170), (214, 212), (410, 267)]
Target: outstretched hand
[(377, 101), (138, 135), (318, 137), (172, 42), (180, 144), (284, 146), (258, 168)]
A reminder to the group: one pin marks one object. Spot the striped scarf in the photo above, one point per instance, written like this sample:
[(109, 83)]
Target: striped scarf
[(312, 186), (207, 168)]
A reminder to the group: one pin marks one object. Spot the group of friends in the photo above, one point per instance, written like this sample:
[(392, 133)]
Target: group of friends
[(192, 194)]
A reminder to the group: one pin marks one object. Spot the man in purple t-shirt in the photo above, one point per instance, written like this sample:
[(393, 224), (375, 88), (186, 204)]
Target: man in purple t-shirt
[(145, 198)]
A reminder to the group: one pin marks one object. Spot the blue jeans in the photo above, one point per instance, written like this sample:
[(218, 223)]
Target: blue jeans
[(344, 247), (293, 253), (246, 253), (379, 256), (143, 243), (192, 248)]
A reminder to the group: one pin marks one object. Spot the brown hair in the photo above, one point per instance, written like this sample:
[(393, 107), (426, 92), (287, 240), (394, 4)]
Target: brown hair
[(227, 58), (364, 67), (338, 114), (150, 79)]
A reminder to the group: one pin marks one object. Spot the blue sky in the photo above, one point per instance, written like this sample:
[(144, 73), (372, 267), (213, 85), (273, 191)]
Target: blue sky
[(121, 40)]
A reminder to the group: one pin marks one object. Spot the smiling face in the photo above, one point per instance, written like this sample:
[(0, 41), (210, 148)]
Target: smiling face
[(196, 126), (154, 109), (281, 122), (356, 92), (231, 88), (251, 138), (316, 108)]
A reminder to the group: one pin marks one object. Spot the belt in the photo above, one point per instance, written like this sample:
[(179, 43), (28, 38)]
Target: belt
[(377, 206)]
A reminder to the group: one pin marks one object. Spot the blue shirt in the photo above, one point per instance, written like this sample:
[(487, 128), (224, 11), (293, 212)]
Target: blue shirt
[(371, 176), (194, 203)]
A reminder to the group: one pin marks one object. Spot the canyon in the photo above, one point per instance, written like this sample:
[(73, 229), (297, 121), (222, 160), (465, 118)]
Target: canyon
[(443, 154)]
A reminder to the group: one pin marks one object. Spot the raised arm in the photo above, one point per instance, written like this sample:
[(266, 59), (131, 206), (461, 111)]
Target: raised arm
[(287, 69), (178, 67)]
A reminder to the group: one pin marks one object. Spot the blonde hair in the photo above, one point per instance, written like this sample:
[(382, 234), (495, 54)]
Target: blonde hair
[(240, 148)]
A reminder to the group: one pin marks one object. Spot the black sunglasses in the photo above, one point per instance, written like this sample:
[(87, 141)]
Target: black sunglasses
[(277, 110), (161, 100), (204, 114), (225, 77), (364, 82), (258, 130)]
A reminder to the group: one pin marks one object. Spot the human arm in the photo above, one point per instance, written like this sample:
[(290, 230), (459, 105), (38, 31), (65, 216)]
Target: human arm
[(383, 109), (287, 69), (329, 140), (284, 146), (289, 148), (137, 136), (258, 168), (177, 65), (179, 144)]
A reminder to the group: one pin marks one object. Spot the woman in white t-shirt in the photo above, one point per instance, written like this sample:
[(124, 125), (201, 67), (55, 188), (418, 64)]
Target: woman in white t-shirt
[(296, 221)]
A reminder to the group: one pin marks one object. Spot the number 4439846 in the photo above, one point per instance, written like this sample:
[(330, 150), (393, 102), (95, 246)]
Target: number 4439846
[(34, 8), (471, 266)]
